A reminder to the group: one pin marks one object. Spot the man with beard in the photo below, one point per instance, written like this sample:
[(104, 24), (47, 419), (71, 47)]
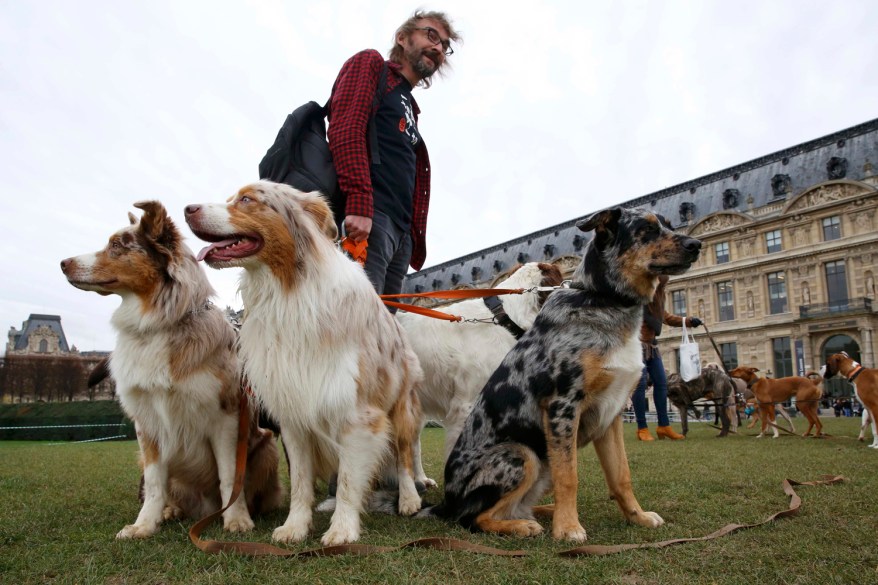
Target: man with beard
[(387, 200)]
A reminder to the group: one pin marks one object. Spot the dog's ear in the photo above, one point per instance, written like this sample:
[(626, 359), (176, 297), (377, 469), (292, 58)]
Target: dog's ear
[(322, 214), (132, 218), (602, 220), (158, 227)]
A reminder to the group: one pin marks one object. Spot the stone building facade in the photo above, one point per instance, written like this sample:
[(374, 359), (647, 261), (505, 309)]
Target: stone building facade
[(788, 264), (40, 366), (38, 334)]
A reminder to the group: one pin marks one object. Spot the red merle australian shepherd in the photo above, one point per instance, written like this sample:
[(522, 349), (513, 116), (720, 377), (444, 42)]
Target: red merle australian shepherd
[(176, 376), (324, 356), (563, 385)]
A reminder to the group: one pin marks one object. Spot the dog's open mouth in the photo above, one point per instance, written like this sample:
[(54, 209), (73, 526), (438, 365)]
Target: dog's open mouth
[(231, 248)]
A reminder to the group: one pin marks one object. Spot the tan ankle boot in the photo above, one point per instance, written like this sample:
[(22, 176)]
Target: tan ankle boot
[(643, 435), (668, 432)]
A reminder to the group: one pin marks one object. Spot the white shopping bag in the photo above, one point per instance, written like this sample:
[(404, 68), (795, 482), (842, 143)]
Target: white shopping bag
[(690, 358)]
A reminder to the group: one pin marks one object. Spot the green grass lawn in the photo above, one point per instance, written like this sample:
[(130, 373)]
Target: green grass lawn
[(62, 505)]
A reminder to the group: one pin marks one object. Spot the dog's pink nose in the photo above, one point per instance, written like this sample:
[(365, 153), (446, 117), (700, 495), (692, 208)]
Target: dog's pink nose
[(192, 209), (65, 263)]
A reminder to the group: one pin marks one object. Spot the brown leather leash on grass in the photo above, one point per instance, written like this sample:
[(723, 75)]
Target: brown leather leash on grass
[(256, 549), (441, 543), (792, 509)]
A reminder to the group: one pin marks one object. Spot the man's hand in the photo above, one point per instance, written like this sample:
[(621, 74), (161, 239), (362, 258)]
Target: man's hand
[(694, 322), (358, 227)]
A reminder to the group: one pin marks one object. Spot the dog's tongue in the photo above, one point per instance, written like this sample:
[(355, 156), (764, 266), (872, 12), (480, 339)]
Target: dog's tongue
[(206, 250)]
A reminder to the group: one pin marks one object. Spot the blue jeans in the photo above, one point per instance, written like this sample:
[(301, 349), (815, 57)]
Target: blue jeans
[(654, 369), (387, 256)]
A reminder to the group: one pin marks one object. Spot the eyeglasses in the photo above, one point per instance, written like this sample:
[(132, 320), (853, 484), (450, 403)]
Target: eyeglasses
[(433, 37)]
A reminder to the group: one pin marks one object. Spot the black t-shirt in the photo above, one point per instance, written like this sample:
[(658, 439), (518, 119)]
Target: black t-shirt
[(393, 181)]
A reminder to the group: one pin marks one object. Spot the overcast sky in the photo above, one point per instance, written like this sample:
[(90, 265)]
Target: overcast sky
[(551, 110)]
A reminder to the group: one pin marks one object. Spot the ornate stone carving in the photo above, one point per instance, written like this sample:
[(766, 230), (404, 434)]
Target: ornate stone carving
[(863, 221), (800, 235), (567, 264), (687, 211), (731, 198), (836, 168), (781, 185), (718, 222), (827, 194)]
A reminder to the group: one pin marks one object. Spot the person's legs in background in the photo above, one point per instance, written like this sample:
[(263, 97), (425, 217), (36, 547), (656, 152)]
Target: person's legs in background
[(656, 369), (638, 401)]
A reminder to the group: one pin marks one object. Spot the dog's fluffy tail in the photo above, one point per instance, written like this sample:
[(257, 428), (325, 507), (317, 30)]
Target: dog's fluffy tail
[(436, 511), (100, 373)]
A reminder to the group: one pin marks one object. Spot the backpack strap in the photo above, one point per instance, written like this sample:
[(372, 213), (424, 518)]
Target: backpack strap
[(371, 129)]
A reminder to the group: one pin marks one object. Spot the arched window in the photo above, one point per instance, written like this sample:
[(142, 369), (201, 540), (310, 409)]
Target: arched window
[(836, 386), (44, 346)]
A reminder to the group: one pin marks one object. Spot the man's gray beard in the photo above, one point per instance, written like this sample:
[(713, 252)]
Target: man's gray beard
[(421, 68)]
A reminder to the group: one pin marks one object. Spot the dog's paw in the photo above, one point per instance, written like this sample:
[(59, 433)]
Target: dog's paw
[(335, 536), (137, 531), (172, 512), (527, 528), (241, 523), (647, 519), (289, 534), (573, 533), (409, 505), (327, 505), (429, 483)]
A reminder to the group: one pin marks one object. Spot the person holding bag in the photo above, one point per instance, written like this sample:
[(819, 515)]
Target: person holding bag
[(654, 315)]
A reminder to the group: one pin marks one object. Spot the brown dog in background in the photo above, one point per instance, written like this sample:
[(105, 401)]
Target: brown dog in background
[(865, 381), (770, 391)]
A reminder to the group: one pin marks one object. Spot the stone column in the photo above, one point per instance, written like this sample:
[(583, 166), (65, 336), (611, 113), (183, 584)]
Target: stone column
[(867, 351)]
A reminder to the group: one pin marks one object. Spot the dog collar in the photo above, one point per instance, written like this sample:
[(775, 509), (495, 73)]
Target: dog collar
[(495, 305), (857, 369)]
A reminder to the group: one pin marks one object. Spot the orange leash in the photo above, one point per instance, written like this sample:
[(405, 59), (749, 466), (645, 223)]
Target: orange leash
[(464, 293), (356, 250)]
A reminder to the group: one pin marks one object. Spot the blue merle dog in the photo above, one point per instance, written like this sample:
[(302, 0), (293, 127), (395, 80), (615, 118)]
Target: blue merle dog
[(563, 385)]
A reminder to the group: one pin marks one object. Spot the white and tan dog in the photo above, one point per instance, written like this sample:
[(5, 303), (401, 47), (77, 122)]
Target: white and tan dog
[(458, 358), (319, 349), (865, 382), (176, 377)]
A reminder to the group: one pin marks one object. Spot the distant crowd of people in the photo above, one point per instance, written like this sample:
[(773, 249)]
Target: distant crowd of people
[(846, 407)]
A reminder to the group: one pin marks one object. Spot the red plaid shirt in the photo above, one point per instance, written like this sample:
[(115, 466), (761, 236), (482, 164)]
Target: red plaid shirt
[(350, 110)]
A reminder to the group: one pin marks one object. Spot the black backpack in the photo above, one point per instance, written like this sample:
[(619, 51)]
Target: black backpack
[(300, 155)]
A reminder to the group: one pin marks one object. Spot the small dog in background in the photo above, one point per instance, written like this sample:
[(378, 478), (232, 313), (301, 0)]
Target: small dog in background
[(771, 391), (176, 377), (319, 349), (564, 385), (713, 384)]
